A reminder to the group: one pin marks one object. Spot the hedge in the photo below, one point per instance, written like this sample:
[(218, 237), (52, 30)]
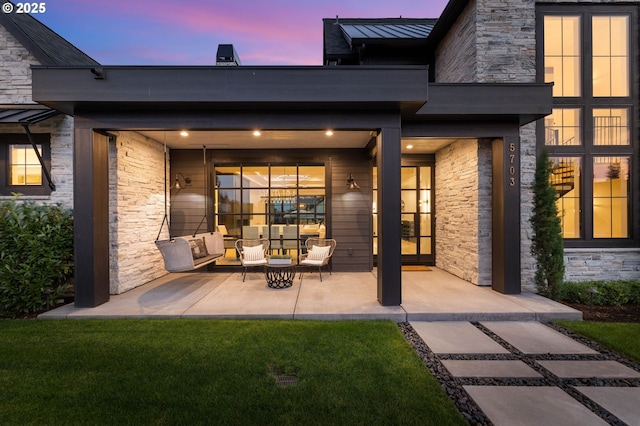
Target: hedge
[(36, 256), (608, 293)]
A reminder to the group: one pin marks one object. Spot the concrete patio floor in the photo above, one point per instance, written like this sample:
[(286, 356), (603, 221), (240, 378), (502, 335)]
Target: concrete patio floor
[(426, 296)]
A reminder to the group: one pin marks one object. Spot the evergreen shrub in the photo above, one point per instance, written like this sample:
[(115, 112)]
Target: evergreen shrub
[(36, 256)]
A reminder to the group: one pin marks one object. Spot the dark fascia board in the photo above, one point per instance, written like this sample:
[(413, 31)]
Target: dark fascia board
[(528, 101), (65, 87)]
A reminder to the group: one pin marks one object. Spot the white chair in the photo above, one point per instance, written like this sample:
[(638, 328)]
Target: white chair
[(319, 252), (252, 253)]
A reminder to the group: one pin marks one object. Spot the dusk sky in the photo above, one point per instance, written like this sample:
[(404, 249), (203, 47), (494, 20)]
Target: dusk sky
[(187, 32)]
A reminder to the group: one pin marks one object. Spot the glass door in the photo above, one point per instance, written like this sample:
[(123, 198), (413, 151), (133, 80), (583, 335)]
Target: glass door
[(417, 209)]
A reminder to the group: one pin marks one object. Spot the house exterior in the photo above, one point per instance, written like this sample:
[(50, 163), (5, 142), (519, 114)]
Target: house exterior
[(438, 122)]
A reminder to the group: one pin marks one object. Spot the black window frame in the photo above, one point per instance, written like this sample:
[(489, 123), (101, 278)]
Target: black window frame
[(586, 103), (9, 139)]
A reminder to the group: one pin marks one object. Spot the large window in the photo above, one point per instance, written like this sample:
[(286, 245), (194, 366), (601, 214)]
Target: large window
[(283, 203), (21, 169), (586, 53)]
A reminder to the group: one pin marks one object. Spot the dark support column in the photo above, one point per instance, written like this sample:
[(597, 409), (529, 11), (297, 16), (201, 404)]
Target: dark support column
[(506, 215), (91, 217), (389, 217)]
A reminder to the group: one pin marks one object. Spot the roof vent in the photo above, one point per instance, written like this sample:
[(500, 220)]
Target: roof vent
[(227, 56)]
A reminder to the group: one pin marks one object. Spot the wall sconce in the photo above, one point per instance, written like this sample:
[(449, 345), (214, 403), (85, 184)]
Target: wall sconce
[(186, 181), (351, 182)]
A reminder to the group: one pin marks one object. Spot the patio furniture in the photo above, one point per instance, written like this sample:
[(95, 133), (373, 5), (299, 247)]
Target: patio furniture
[(290, 238), (182, 254), (229, 240), (276, 241), (319, 252), (252, 253), (280, 275)]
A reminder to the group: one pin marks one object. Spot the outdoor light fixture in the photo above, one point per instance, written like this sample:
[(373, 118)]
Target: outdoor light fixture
[(186, 181), (184, 133), (351, 182), (256, 133), (329, 133)]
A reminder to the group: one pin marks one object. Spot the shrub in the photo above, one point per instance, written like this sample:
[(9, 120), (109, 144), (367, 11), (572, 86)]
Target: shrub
[(36, 256), (609, 293), (546, 242)]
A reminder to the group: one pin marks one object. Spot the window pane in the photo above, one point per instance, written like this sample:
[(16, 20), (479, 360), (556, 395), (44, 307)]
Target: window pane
[(425, 177), (312, 176), (610, 55), (409, 241), (228, 177), (562, 54), (255, 177), (284, 176), (25, 167), (610, 197), (562, 127), (408, 178), (611, 126), (565, 178)]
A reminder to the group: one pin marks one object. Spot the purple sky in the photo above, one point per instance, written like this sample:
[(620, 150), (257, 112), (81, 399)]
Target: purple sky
[(187, 32)]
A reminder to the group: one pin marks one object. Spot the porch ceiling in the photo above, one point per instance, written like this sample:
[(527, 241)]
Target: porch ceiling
[(287, 139)]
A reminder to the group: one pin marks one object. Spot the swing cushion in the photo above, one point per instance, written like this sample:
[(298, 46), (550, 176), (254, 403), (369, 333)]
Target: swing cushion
[(198, 248)]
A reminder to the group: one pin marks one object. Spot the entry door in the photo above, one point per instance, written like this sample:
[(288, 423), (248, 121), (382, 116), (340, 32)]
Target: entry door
[(416, 217)]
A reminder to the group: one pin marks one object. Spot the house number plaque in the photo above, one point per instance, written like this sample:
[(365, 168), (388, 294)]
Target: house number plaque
[(513, 163)]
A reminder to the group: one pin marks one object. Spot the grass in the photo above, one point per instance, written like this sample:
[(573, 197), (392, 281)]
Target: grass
[(618, 337), (193, 372)]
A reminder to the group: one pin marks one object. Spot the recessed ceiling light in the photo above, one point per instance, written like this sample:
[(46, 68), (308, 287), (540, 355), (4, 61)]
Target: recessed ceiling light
[(256, 133), (184, 133), (329, 133), (409, 146)]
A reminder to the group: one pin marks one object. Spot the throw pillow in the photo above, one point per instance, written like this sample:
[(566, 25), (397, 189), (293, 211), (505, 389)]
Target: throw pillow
[(198, 248), (318, 252), (253, 253)]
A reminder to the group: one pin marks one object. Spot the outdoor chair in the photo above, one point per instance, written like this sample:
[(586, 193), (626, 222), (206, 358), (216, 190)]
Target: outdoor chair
[(319, 252), (252, 253)]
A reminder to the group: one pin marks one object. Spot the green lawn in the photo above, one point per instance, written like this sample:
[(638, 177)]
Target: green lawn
[(141, 372), (623, 338)]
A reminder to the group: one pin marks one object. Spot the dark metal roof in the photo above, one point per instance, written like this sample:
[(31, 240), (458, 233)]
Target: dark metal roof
[(340, 33), (26, 115), (47, 46), (362, 32)]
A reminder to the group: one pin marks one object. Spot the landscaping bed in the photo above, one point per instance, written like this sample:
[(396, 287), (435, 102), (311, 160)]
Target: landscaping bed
[(622, 313)]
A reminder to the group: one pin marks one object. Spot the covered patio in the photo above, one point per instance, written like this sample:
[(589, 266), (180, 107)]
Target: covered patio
[(433, 295)]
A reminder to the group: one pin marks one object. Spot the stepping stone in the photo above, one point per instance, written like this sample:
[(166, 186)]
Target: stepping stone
[(489, 368), (536, 338), (621, 402), (588, 369), (456, 337), (531, 405)]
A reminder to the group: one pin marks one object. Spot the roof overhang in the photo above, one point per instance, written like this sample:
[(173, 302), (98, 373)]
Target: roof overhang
[(25, 114), (189, 90), (83, 88)]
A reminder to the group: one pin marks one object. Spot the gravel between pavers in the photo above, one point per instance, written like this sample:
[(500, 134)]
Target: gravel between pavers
[(470, 410)]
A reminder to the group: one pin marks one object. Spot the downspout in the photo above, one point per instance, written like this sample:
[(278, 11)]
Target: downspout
[(35, 148)]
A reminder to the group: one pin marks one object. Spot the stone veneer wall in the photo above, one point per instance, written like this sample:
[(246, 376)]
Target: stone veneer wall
[(136, 210), (463, 224), (456, 55), (601, 264), (15, 71)]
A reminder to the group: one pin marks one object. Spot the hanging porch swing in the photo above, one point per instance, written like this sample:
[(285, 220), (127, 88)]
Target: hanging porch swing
[(189, 252)]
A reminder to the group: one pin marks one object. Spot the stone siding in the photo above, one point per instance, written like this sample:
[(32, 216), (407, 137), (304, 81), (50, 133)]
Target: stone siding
[(136, 210), (456, 54), (15, 71), (601, 264), (463, 224)]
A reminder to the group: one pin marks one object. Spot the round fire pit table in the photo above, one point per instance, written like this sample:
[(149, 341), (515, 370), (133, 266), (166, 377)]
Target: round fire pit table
[(280, 275)]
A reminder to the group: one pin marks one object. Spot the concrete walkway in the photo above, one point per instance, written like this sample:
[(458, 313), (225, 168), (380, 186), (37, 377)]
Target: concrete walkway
[(527, 373), (426, 296)]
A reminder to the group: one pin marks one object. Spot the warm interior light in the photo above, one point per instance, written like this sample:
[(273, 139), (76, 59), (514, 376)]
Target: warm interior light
[(184, 133), (329, 133), (256, 133), (409, 146)]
